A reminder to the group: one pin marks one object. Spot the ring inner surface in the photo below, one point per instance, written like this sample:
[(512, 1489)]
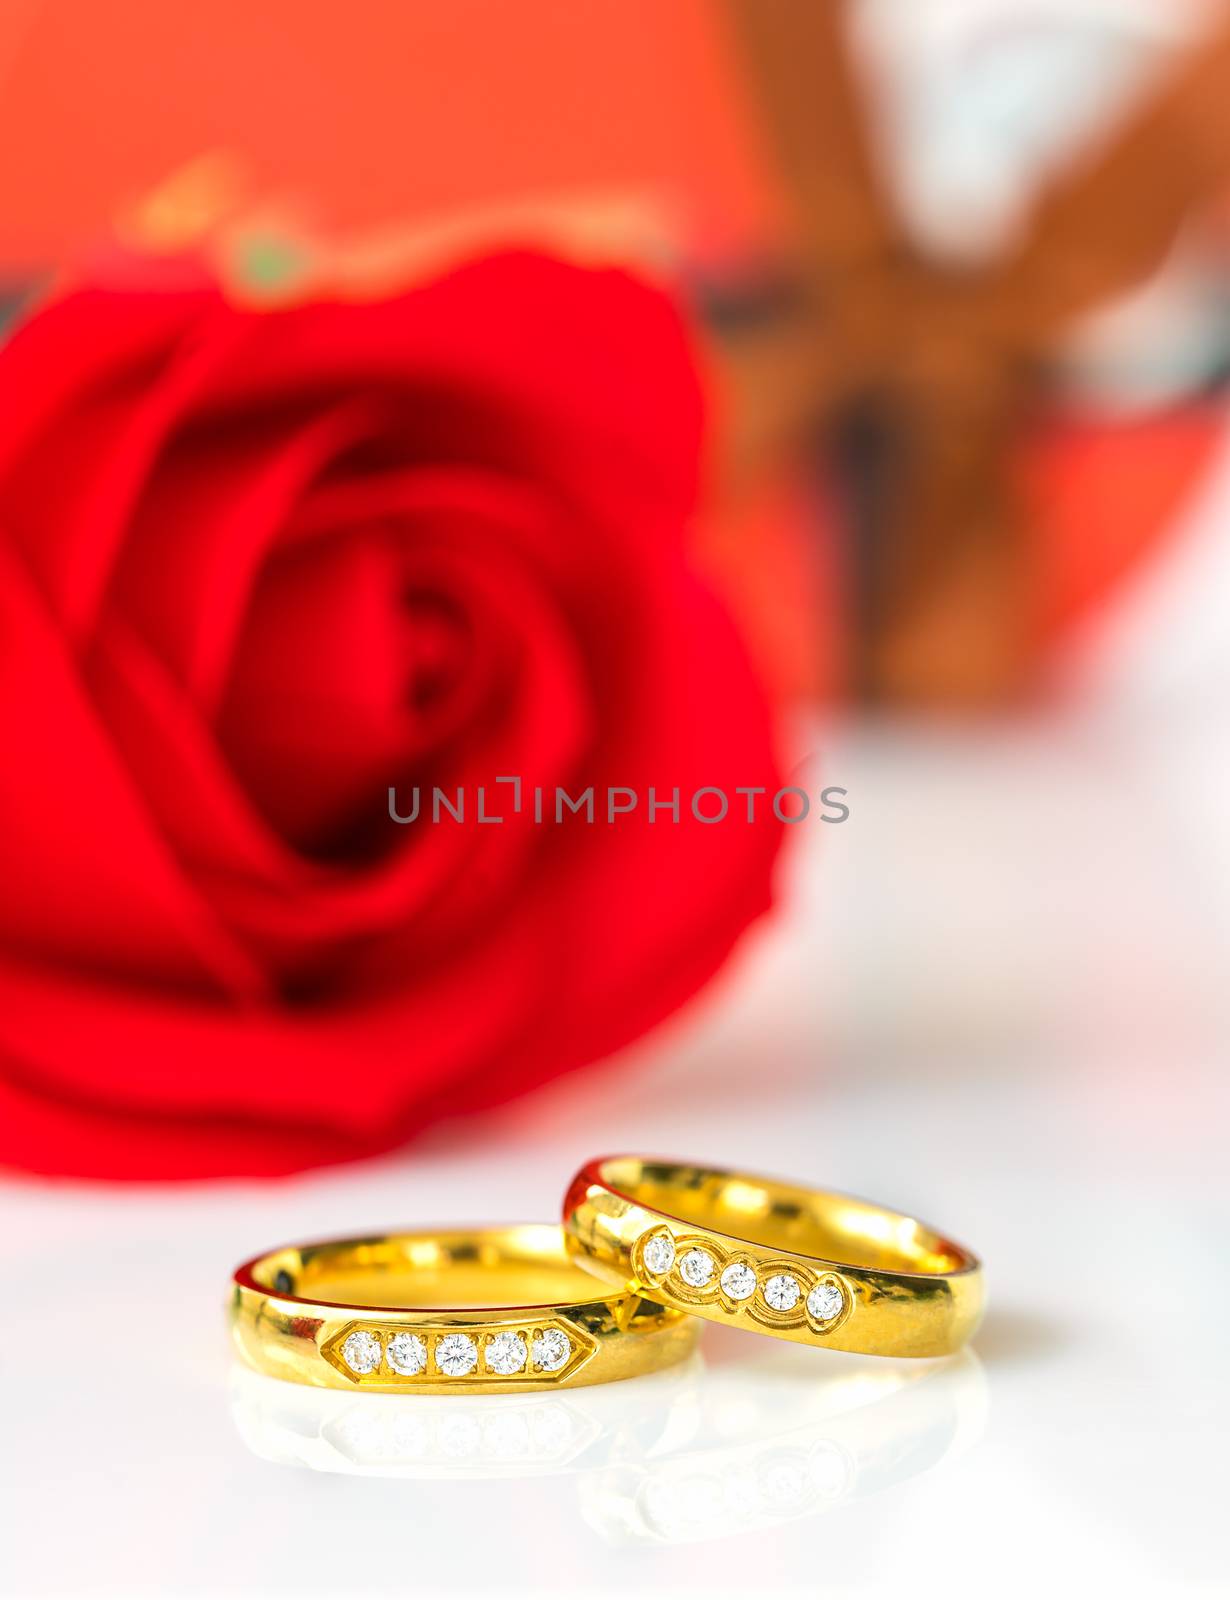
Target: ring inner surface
[(490, 1268), (780, 1216)]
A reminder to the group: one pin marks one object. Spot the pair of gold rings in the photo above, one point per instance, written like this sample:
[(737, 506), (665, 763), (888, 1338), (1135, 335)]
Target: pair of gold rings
[(646, 1248)]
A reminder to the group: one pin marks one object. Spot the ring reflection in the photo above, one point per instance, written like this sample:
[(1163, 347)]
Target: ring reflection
[(708, 1449)]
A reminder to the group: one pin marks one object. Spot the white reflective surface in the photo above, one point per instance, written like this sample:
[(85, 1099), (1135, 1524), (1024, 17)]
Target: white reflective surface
[(997, 997), (703, 1452)]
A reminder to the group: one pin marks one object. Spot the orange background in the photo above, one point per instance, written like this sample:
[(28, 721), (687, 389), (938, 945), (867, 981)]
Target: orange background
[(372, 110)]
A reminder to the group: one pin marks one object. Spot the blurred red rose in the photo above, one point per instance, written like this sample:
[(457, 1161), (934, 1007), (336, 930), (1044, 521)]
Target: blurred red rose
[(256, 569)]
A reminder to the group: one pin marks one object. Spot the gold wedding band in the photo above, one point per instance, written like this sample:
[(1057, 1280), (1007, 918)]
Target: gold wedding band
[(493, 1309), (800, 1264)]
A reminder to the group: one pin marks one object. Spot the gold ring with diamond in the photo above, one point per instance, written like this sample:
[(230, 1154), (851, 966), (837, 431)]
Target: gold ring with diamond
[(802, 1264), (500, 1310)]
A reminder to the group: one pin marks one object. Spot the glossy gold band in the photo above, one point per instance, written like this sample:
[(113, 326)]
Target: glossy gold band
[(799, 1264), (499, 1310)]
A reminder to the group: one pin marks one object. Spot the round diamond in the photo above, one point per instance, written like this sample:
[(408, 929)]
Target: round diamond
[(361, 1352), (696, 1268), (782, 1291), (506, 1354), (658, 1254), (739, 1281), (407, 1354), (825, 1302), (456, 1354), (550, 1349)]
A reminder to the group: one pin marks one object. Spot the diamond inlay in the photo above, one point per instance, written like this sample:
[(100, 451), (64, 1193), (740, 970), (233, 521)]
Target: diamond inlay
[(407, 1354), (738, 1281), (550, 1349), (781, 1291), (696, 1268), (361, 1352), (825, 1302), (658, 1253), (506, 1354), (456, 1354)]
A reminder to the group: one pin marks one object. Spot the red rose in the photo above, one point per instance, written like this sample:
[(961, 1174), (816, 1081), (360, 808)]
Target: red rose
[(255, 570)]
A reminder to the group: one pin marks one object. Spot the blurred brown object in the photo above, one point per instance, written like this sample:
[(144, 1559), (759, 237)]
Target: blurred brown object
[(915, 379)]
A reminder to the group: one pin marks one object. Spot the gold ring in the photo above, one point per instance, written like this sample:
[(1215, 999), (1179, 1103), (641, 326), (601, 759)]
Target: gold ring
[(502, 1310), (800, 1264)]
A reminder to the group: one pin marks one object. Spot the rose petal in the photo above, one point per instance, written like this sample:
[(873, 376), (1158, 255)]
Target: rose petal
[(295, 912), (434, 877), (529, 990), (515, 362), (89, 390), (537, 951), (354, 1068), (86, 875), (210, 514)]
